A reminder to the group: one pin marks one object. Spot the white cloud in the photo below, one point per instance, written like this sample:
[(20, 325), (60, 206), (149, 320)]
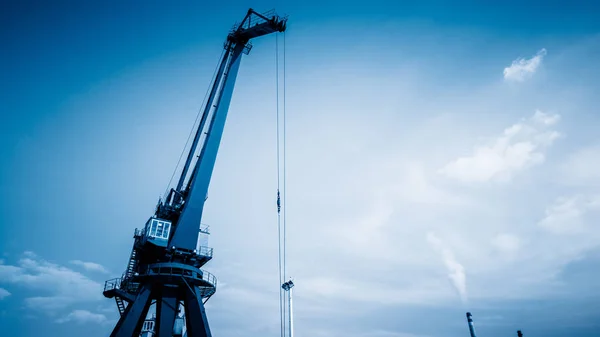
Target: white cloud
[(30, 254), (522, 69), (391, 188), (90, 266), (456, 271), (368, 333), (506, 243), (490, 320), (4, 293), (567, 214), (83, 317), (381, 292), (581, 167), (111, 308), (520, 146), (414, 185), (385, 333), (59, 286)]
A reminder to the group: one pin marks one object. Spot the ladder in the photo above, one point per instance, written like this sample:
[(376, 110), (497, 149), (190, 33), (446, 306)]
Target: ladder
[(132, 264), (120, 304), (126, 278)]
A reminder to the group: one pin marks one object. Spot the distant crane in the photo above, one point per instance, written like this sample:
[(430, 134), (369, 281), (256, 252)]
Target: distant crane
[(165, 261)]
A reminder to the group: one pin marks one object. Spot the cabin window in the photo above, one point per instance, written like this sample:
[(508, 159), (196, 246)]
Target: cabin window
[(159, 229)]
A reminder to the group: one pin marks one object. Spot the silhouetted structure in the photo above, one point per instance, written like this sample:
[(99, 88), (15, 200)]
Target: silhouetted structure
[(165, 261), (471, 327)]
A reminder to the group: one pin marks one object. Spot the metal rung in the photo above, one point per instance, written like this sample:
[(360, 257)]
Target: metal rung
[(120, 305)]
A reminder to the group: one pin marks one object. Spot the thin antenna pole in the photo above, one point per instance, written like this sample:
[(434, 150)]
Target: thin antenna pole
[(291, 313), (287, 286)]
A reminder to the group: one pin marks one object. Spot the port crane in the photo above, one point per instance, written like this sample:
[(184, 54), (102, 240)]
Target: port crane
[(165, 264)]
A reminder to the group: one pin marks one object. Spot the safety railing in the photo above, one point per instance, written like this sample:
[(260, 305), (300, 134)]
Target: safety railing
[(204, 228), (138, 232), (112, 284), (121, 283), (210, 278), (129, 286), (204, 251), (169, 270), (254, 19)]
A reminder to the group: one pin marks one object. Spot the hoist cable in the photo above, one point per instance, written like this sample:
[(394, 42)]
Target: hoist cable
[(282, 162), (281, 307), (284, 180), (284, 191), (213, 81)]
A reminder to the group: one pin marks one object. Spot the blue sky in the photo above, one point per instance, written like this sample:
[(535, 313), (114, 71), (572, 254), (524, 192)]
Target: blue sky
[(442, 158)]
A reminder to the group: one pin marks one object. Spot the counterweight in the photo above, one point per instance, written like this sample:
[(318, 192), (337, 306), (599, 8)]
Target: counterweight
[(164, 265)]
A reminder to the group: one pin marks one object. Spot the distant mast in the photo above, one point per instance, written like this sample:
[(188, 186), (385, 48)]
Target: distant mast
[(287, 286), (470, 321)]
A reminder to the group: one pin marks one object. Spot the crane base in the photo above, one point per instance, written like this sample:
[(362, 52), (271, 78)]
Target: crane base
[(168, 297)]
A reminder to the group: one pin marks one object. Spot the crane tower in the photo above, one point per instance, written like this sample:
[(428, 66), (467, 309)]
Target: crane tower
[(165, 261)]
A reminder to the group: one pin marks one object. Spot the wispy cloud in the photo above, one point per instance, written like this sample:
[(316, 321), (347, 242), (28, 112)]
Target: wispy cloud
[(381, 292), (90, 266), (581, 167), (367, 333), (61, 286), (566, 215), (520, 146), (83, 316), (522, 69), (456, 271), (506, 243), (107, 309), (4, 293)]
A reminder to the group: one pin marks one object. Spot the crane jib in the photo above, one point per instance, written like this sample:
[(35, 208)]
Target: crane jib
[(185, 235), (185, 231)]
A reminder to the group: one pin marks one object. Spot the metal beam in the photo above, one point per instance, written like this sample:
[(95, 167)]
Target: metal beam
[(186, 231), (195, 315), (166, 311), (129, 298), (130, 323), (207, 107)]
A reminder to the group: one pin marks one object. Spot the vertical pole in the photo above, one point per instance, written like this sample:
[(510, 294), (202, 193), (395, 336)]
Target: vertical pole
[(287, 286), (471, 327), (290, 313)]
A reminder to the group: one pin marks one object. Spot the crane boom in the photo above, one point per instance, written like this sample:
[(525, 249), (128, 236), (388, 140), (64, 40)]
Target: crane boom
[(185, 233)]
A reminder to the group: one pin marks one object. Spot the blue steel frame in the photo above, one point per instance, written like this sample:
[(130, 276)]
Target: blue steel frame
[(171, 275), (185, 235)]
